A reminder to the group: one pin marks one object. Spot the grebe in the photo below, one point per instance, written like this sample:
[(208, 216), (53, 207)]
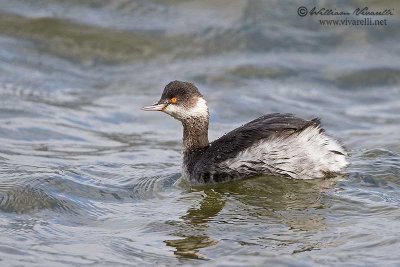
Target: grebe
[(273, 144)]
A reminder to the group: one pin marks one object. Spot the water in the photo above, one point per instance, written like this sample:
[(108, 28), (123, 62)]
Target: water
[(88, 179)]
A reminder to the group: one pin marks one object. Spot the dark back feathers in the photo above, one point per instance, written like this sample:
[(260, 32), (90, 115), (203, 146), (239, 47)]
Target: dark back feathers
[(232, 143)]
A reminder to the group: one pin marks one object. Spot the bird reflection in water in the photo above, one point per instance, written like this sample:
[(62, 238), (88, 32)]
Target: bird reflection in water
[(290, 204)]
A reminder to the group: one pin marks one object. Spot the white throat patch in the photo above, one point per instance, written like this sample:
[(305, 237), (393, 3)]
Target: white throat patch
[(179, 112)]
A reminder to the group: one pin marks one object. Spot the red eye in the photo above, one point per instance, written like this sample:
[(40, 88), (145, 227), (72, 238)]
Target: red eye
[(174, 100)]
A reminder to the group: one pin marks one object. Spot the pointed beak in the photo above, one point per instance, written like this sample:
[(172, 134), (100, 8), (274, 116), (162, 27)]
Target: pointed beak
[(155, 107)]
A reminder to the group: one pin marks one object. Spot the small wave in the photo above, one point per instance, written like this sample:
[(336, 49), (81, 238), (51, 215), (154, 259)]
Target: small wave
[(369, 78), (28, 199)]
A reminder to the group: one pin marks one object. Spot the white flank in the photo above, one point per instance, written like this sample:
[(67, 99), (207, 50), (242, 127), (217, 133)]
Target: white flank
[(305, 155)]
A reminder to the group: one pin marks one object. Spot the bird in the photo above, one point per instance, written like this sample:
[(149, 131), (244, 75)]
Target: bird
[(277, 144)]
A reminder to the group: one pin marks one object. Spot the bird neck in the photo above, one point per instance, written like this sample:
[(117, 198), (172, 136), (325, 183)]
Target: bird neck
[(195, 133)]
